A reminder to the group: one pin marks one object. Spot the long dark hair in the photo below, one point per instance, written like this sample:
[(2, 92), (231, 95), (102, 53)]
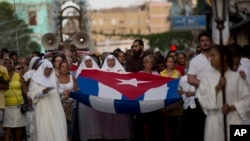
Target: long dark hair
[(166, 59), (172, 51), (58, 55)]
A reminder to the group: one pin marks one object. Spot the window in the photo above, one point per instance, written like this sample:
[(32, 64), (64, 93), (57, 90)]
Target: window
[(139, 21), (113, 21), (94, 22), (131, 21), (32, 18), (121, 21)]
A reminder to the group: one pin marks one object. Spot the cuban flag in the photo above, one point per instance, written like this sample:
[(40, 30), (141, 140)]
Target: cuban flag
[(125, 93)]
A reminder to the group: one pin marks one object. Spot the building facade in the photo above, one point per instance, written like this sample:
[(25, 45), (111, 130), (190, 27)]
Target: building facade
[(240, 20), (148, 18), (40, 16)]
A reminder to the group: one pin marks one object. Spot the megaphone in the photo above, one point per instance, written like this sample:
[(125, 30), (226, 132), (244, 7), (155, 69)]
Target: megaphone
[(50, 41), (81, 40)]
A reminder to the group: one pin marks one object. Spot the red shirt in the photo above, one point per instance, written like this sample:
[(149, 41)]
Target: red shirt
[(181, 69), (73, 67)]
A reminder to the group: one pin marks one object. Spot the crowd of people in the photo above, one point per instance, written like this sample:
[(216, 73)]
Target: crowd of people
[(44, 83)]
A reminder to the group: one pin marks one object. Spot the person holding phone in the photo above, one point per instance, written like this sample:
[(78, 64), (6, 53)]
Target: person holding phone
[(50, 121)]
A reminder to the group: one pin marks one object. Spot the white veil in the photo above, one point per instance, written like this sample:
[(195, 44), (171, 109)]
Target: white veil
[(33, 61), (116, 68), (30, 71), (83, 66), (41, 79)]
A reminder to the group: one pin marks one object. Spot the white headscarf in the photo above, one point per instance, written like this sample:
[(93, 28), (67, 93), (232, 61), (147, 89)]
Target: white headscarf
[(117, 68), (31, 71), (41, 79), (33, 61), (83, 66)]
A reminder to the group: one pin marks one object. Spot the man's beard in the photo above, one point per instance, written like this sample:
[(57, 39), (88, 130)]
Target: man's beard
[(137, 54)]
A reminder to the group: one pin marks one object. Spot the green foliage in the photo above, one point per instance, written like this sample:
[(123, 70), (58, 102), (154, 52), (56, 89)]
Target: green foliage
[(198, 8), (14, 30), (163, 41)]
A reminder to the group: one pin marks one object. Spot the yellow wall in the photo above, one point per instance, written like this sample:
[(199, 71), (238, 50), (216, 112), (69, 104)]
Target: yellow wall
[(144, 19)]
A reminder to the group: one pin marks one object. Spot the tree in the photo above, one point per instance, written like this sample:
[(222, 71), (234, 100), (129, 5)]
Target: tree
[(15, 32), (162, 41)]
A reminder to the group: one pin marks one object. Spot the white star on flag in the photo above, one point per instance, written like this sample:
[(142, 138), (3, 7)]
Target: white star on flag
[(132, 82)]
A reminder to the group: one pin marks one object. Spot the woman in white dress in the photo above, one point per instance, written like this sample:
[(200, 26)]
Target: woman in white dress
[(89, 124), (116, 126), (209, 94), (50, 119)]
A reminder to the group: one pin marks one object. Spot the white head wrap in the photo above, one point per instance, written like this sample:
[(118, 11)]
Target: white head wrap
[(33, 61), (41, 79), (31, 71), (117, 68), (83, 66)]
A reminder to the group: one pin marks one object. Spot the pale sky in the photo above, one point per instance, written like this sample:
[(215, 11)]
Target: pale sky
[(97, 4)]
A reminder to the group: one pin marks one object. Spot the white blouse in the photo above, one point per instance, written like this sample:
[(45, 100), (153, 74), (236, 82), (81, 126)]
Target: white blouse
[(66, 86)]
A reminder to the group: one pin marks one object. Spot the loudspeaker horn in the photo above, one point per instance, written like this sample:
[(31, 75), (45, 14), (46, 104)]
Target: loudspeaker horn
[(50, 41), (81, 40)]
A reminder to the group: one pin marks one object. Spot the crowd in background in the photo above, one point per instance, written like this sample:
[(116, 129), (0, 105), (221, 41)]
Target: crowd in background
[(44, 82)]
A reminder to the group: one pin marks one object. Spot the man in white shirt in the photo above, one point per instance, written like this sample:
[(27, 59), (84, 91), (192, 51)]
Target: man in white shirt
[(198, 66)]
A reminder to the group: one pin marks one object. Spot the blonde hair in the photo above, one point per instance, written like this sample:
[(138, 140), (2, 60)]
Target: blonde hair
[(148, 57)]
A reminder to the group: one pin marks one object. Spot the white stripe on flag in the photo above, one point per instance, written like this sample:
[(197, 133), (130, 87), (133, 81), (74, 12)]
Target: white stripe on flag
[(158, 93), (149, 106), (102, 104), (108, 92)]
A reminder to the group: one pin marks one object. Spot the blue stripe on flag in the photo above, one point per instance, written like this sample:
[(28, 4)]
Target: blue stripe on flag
[(139, 98), (79, 96), (172, 95), (88, 85), (127, 106), (124, 98)]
